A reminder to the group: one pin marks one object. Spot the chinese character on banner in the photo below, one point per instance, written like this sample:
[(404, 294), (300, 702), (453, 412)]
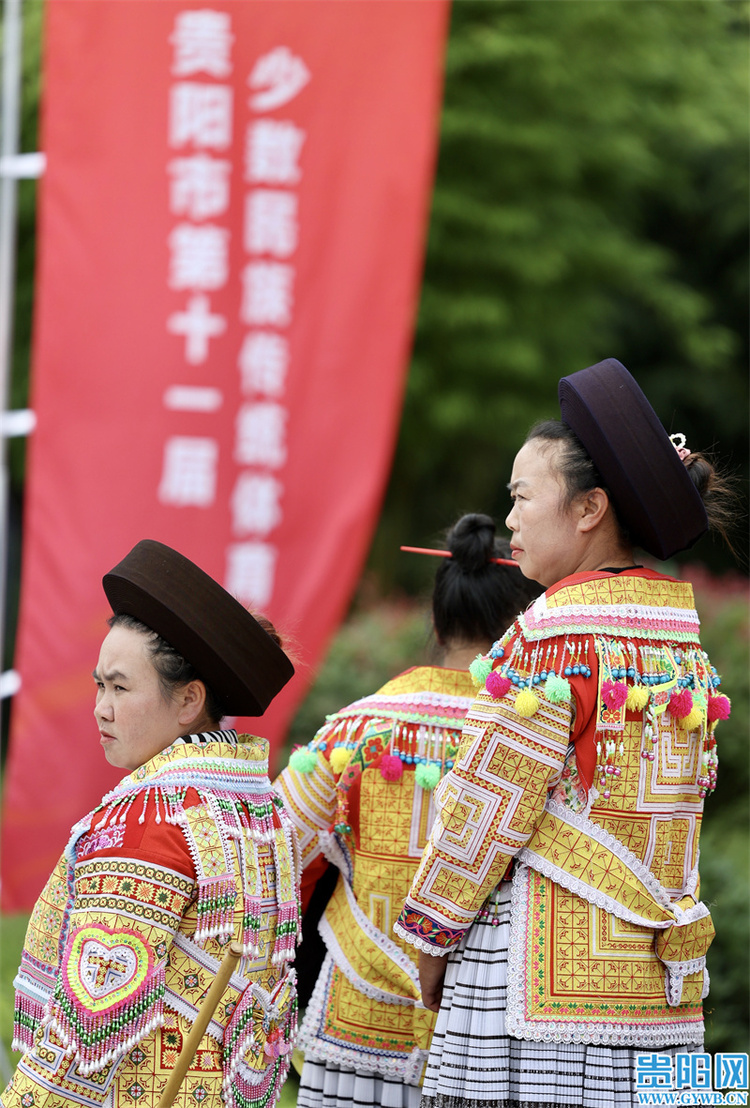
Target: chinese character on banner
[(231, 270), (189, 474), (263, 363), (202, 42), (250, 572), (200, 186), (201, 115)]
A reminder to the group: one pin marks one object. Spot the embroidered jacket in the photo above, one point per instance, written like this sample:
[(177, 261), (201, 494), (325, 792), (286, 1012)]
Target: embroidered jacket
[(187, 852), (586, 759), (355, 798)]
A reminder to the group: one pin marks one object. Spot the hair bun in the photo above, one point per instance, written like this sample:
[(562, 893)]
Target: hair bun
[(471, 541)]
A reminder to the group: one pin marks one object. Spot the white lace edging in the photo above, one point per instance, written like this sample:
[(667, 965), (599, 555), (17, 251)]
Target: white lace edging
[(189, 1011), (407, 1068), (675, 974), (420, 944), (608, 1034), (334, 948), (580, 888)]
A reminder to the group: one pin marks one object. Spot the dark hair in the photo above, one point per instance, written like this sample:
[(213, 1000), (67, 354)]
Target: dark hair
[(716, 489), (578, 472), (475, 599), (171, 668)]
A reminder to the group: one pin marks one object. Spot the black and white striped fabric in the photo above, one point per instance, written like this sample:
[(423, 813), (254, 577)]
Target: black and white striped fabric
[(202, 738), (474, 1064), (324, 1085)]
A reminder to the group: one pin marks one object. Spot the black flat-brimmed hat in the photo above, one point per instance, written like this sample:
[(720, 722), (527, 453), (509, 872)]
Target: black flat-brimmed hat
[(649, 486), (228, 647)]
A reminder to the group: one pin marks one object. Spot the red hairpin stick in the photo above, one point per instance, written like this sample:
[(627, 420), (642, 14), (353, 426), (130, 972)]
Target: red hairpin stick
[(447, 554)]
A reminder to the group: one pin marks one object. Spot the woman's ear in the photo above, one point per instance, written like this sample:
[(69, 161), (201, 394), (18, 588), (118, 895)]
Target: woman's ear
[(594, 506), (192, 698)]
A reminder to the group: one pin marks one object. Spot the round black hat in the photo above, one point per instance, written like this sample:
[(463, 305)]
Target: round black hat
[(647, 481), (210, 629)]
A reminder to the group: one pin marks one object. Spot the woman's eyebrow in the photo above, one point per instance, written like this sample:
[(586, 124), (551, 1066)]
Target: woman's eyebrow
[(113, 676)]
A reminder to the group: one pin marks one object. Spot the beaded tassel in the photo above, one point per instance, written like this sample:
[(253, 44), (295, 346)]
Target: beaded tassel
[(217, 897), (287, 905), (26, 1018), (88, 1036), (261, 1028)]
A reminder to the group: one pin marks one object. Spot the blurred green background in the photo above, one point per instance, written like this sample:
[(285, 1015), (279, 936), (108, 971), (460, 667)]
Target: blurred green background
[(591, 200)]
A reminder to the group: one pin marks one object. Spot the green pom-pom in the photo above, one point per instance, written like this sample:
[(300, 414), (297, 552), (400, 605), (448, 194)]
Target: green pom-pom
[(427, 775), (479, 669), (557, 689), (303, 760)]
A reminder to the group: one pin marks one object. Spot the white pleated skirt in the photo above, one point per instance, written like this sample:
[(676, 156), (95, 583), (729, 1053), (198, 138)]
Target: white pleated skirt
[(324, 1085), (474, 1064)]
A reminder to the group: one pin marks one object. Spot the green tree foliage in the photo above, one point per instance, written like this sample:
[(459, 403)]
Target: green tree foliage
[(590, 202)]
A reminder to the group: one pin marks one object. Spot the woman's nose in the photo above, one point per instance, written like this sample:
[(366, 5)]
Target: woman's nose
[(510, 519), (103, 707)]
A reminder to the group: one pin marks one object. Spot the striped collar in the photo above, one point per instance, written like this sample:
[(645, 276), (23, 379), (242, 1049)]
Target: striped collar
[(203, 738)]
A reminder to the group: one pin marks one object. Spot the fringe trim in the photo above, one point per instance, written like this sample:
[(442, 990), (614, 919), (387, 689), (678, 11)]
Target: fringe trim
[(96, 1039), (264, 1026), (28, 1015)]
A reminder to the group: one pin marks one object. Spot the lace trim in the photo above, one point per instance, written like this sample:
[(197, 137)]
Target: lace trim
[(372, 991), (384, 944), (408, 1068), (609, 1034), (622, 852), (188, 1012), (420, 944), (640, 621), (675, 975), (332, 850)]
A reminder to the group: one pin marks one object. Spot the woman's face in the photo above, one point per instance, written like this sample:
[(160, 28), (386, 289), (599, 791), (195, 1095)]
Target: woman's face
[(546, 541), (135, 719)]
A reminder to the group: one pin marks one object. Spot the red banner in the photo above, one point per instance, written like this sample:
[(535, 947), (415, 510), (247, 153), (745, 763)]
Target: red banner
[(231, 228)]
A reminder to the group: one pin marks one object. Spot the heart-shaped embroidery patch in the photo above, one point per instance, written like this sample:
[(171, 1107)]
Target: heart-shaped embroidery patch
[(103, 968)]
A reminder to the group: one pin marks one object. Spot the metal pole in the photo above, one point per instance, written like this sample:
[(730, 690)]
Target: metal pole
[(11, 92)]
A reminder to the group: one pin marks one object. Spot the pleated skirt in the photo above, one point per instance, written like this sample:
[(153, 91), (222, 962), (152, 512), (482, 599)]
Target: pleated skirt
[(474, 1064), (324, 1085)]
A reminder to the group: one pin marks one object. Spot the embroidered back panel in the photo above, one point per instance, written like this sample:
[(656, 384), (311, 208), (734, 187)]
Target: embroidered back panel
[(366, 809), (599, 703)]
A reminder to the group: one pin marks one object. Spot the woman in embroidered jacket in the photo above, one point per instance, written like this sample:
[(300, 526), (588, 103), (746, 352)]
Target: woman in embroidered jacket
[(361, 795), (561, 876), (189, 851)]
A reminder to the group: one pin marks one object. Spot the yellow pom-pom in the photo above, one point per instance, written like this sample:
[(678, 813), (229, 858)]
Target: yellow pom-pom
[(637, 698), (339, 759), (527, 703), (693, 721)]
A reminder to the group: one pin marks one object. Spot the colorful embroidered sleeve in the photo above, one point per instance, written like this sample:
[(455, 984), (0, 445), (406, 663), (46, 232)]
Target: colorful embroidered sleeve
[(488, 806), (310, 799)]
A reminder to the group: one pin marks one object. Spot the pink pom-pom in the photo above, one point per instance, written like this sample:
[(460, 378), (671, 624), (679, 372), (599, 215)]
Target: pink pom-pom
[(496, 685), (719, 707), (681, 704), (614, 694), (391, 767)]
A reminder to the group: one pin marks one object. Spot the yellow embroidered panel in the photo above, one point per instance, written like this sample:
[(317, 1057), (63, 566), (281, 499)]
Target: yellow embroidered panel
[(596, 971)]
